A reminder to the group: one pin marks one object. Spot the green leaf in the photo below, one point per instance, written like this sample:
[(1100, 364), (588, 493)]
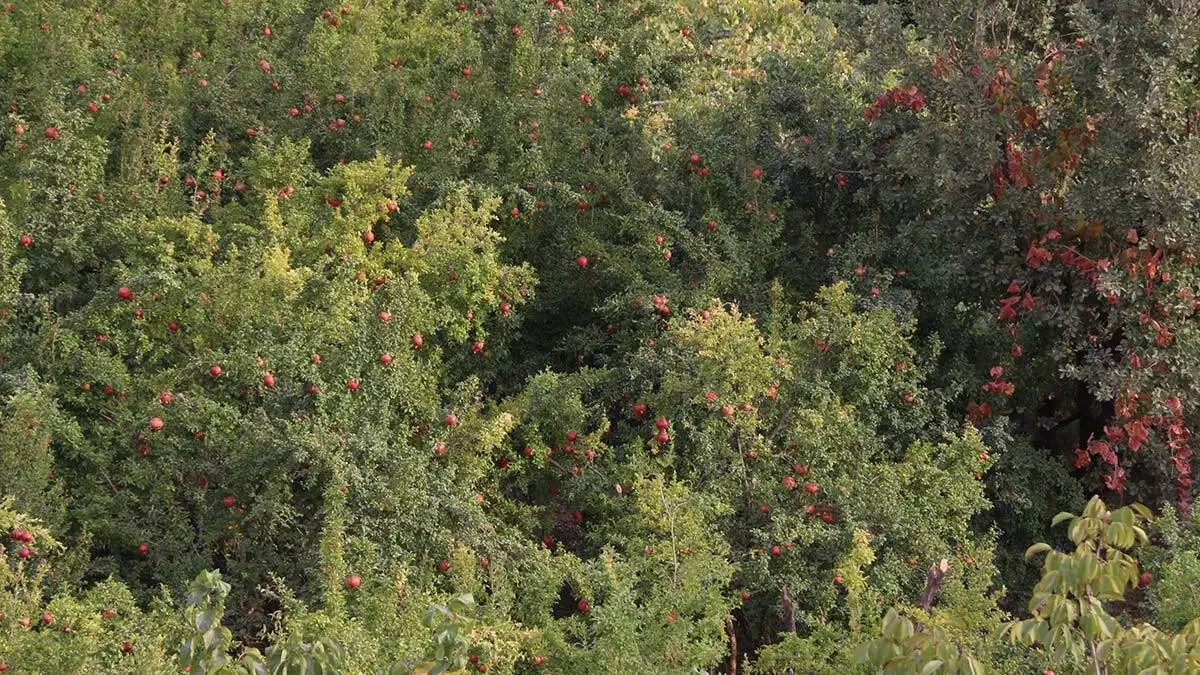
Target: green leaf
[(1076, 531), (1088, 567), (204, 621), (864, 651), (1109, 587), (931, 667), (1062, 516), (1043, 632), (1142, 510), (1037, 548)]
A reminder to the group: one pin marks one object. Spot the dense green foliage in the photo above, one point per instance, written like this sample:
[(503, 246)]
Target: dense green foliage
[(640, 336)]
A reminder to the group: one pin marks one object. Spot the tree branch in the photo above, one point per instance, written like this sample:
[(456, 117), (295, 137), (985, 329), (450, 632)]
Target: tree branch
[(789, 611), (933, 584), (733, 655)]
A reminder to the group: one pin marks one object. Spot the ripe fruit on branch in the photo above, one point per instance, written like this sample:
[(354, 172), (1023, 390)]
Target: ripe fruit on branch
[(353, 581)]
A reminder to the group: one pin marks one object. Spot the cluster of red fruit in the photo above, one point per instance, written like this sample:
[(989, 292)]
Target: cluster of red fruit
[(777, 550), (23, 537), (822, 510), (660, 305), (626, 92), (568, 449), (479, 667), (662, 424), (107, 389), (333, 20)]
